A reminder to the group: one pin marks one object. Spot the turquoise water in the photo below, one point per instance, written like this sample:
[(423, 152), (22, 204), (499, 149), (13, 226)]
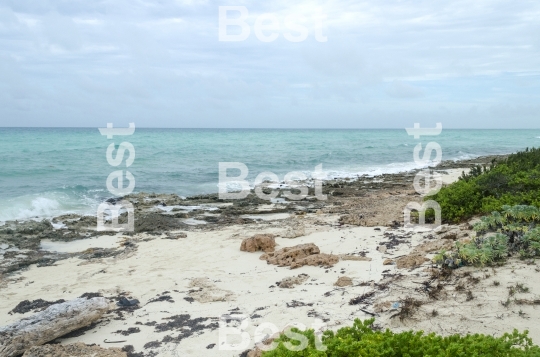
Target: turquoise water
[(48, 171)]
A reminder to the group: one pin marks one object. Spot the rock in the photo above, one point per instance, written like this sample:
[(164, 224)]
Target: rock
[(382, 306), (343, 281), (441, 229), (382, 249), (465, 227), (300, 255), (453, 235), (353, 219), (175, 235), (74, 350), (208, 291), (55, 321), (297, 230), (388, 262), (411, 261), (433, 246), (264, 242), (291, 282), (474, 221)]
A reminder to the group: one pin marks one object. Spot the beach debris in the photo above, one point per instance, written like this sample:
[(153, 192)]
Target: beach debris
[(408, 307), (175, 235), (300, 255), (355, 257), (264, 242), (411, 261), (362, 299), (206, 291), (78, 349), (343, 281), (291, 282), (36, 305), (124, 302), (55, 321)]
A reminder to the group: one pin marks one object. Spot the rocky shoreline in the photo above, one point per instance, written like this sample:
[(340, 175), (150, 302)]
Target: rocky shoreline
[(351, 248)]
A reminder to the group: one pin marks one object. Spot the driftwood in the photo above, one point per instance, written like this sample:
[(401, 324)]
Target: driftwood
[(55, 321)]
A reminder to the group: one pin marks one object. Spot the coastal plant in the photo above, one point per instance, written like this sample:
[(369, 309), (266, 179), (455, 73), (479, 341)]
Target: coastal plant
[(361, 340), (514, 181), (514, 230)]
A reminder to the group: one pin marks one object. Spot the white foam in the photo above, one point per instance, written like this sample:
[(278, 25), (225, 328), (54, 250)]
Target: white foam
[(46, 205)]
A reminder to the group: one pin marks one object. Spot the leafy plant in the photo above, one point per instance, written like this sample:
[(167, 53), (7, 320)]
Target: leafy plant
[(361, 340), (511, 182)]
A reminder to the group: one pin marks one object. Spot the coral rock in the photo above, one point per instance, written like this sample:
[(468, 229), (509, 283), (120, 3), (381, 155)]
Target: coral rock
[(300, 255), (264, 242), (343, 281)]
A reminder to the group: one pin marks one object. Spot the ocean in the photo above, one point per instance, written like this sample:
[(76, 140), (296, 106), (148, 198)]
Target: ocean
[(45, 172)]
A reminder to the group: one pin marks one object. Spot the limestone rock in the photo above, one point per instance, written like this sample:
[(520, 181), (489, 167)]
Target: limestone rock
[(453, 235), (208, 292), (74, 350), (343, 281), (388, 262), (297, 230), (433, 246), (441, 229), (291, 282), (300, 255), (264, 242), (411, 261)]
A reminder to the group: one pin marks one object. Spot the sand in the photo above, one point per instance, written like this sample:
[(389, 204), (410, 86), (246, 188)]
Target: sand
[(206, 276)]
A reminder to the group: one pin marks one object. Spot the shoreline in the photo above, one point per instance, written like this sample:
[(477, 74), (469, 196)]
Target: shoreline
[(188, 276)]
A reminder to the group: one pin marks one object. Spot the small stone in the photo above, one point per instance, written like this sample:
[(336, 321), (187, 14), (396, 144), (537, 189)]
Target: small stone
[(388, 262), (343, 281)]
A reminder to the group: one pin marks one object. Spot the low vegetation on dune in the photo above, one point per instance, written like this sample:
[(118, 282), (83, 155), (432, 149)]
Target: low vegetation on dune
[(513, 231), (513, 181), (362, 340)]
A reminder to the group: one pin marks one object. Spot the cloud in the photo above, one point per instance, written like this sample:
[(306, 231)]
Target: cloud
[(159, 63), (398, 89)]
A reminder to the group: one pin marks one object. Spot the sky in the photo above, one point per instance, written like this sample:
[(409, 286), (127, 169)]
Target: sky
[(351, 64)]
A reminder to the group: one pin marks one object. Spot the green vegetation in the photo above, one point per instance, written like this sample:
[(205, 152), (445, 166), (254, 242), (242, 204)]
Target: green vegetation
[(361, 340), (514, 181), (515, 230)]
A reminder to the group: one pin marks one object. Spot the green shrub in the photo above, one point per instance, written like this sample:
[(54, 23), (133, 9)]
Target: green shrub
[(514, 181), (514, 230), (360, 340)]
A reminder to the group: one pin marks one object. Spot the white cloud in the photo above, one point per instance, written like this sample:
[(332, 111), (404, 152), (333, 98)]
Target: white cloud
[(163, 60)]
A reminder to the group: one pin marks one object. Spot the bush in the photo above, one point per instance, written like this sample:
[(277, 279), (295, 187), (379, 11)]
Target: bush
[(514, 181), (361, 340), (514, 230)]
